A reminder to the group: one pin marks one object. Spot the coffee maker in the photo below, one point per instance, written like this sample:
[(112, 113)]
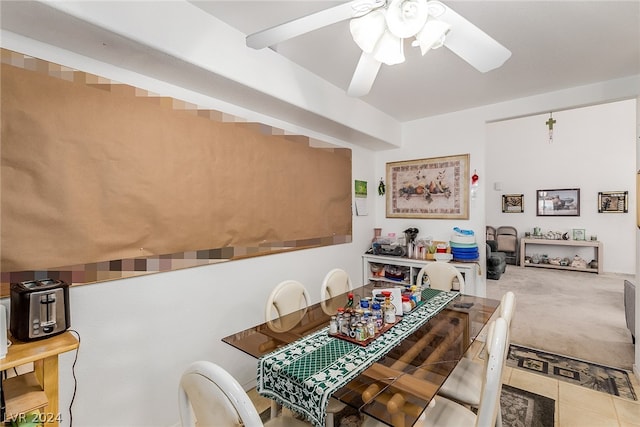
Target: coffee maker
[(411, 234)]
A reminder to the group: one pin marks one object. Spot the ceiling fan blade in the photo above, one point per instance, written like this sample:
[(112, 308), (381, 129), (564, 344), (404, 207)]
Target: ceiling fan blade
[(364, 75), (291, 29), (471, 43)]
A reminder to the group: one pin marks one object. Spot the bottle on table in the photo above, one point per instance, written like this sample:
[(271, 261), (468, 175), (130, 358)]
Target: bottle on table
[(339, 319), (346, 324), (372, 327), (417, 292), (333, 325), (376, 313), (388, 309), (406, 304)]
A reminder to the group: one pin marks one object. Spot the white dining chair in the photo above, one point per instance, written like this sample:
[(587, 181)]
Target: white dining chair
[(336, 282), (464, 384), (441, 276), (445, 412), (286, 298), (209, 396)]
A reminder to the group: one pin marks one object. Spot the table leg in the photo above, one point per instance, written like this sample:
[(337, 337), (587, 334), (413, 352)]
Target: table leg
[(396, 404), (46, 371), (406, 358)]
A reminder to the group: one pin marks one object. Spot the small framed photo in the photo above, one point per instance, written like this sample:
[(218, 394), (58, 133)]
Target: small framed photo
[(565, 202), (578, 234), (613, 201), (513, 203)]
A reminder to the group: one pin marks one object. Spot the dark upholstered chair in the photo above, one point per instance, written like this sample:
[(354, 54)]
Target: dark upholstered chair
[(630, 307), (496, 261), (507, 238)]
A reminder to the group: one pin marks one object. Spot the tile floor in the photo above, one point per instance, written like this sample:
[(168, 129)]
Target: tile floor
[(576, 406)]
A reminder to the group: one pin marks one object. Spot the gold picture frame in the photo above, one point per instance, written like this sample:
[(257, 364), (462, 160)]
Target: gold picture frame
[(432, 188), (613, 201), (513, 203)]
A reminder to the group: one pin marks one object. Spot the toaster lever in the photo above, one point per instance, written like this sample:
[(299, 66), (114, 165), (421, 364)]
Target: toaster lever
[(47, 310)]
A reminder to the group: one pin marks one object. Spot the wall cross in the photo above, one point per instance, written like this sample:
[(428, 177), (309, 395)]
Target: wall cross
[(550, 124)]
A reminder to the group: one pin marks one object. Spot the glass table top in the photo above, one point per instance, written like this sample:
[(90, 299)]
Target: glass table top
[(399, 386)]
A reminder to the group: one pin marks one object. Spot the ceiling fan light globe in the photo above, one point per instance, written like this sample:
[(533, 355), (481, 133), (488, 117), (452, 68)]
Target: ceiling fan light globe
[(432, 35), (389, 49), (436, 9), (405, 18), (368, 29)]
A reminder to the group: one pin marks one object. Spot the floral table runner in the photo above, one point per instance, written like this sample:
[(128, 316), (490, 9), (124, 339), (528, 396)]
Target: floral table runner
[(304, 374)]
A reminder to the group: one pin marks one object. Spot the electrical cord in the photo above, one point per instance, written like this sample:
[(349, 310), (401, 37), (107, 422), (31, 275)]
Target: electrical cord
[(75, 380)]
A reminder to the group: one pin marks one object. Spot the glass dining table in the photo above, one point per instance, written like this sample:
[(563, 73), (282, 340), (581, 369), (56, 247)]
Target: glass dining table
[(392, 378)]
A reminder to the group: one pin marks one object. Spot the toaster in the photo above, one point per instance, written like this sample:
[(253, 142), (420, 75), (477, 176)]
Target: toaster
[(39, 309)]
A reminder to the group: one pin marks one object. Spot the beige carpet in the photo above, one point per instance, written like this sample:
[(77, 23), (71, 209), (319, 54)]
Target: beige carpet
[(575, 314)]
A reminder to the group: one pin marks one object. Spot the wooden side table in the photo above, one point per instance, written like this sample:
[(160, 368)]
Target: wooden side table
[(44, 356)]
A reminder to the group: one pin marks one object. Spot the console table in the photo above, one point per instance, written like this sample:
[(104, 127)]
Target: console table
[(596, 245)]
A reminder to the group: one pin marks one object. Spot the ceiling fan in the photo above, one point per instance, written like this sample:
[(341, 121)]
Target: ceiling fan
[(379, 28)]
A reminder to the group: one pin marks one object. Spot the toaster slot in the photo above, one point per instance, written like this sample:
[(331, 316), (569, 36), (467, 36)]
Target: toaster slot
[(48, 312)]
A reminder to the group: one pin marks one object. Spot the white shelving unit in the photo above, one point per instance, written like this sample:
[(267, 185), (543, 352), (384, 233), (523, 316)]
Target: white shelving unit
[(469, 270)]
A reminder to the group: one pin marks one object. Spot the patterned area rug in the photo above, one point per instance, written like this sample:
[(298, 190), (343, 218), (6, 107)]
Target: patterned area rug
[(586, 374), (520, 408)]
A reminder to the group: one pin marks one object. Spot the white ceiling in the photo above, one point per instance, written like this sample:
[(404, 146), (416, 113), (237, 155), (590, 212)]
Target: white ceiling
[(555, 44)]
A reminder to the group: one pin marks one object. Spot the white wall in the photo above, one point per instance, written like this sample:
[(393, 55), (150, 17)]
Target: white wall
[(470, 132), (139, 333), (593, 149), (458, 133)]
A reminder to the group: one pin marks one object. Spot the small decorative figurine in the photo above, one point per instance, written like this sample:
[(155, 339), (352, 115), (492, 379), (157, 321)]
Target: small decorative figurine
[(381, 188), (474, 184)]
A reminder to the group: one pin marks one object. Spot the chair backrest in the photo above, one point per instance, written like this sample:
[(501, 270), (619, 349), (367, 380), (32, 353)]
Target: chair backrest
[(441, 276), (214, 397), (491, 233), (336, 282), (507, 238), (492, 380), (287, 297), (508, 307)]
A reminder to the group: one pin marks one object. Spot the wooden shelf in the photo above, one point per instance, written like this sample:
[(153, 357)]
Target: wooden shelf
[(23, 394), (596, 245), (562, 267), (21, 353), (44, 356)]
